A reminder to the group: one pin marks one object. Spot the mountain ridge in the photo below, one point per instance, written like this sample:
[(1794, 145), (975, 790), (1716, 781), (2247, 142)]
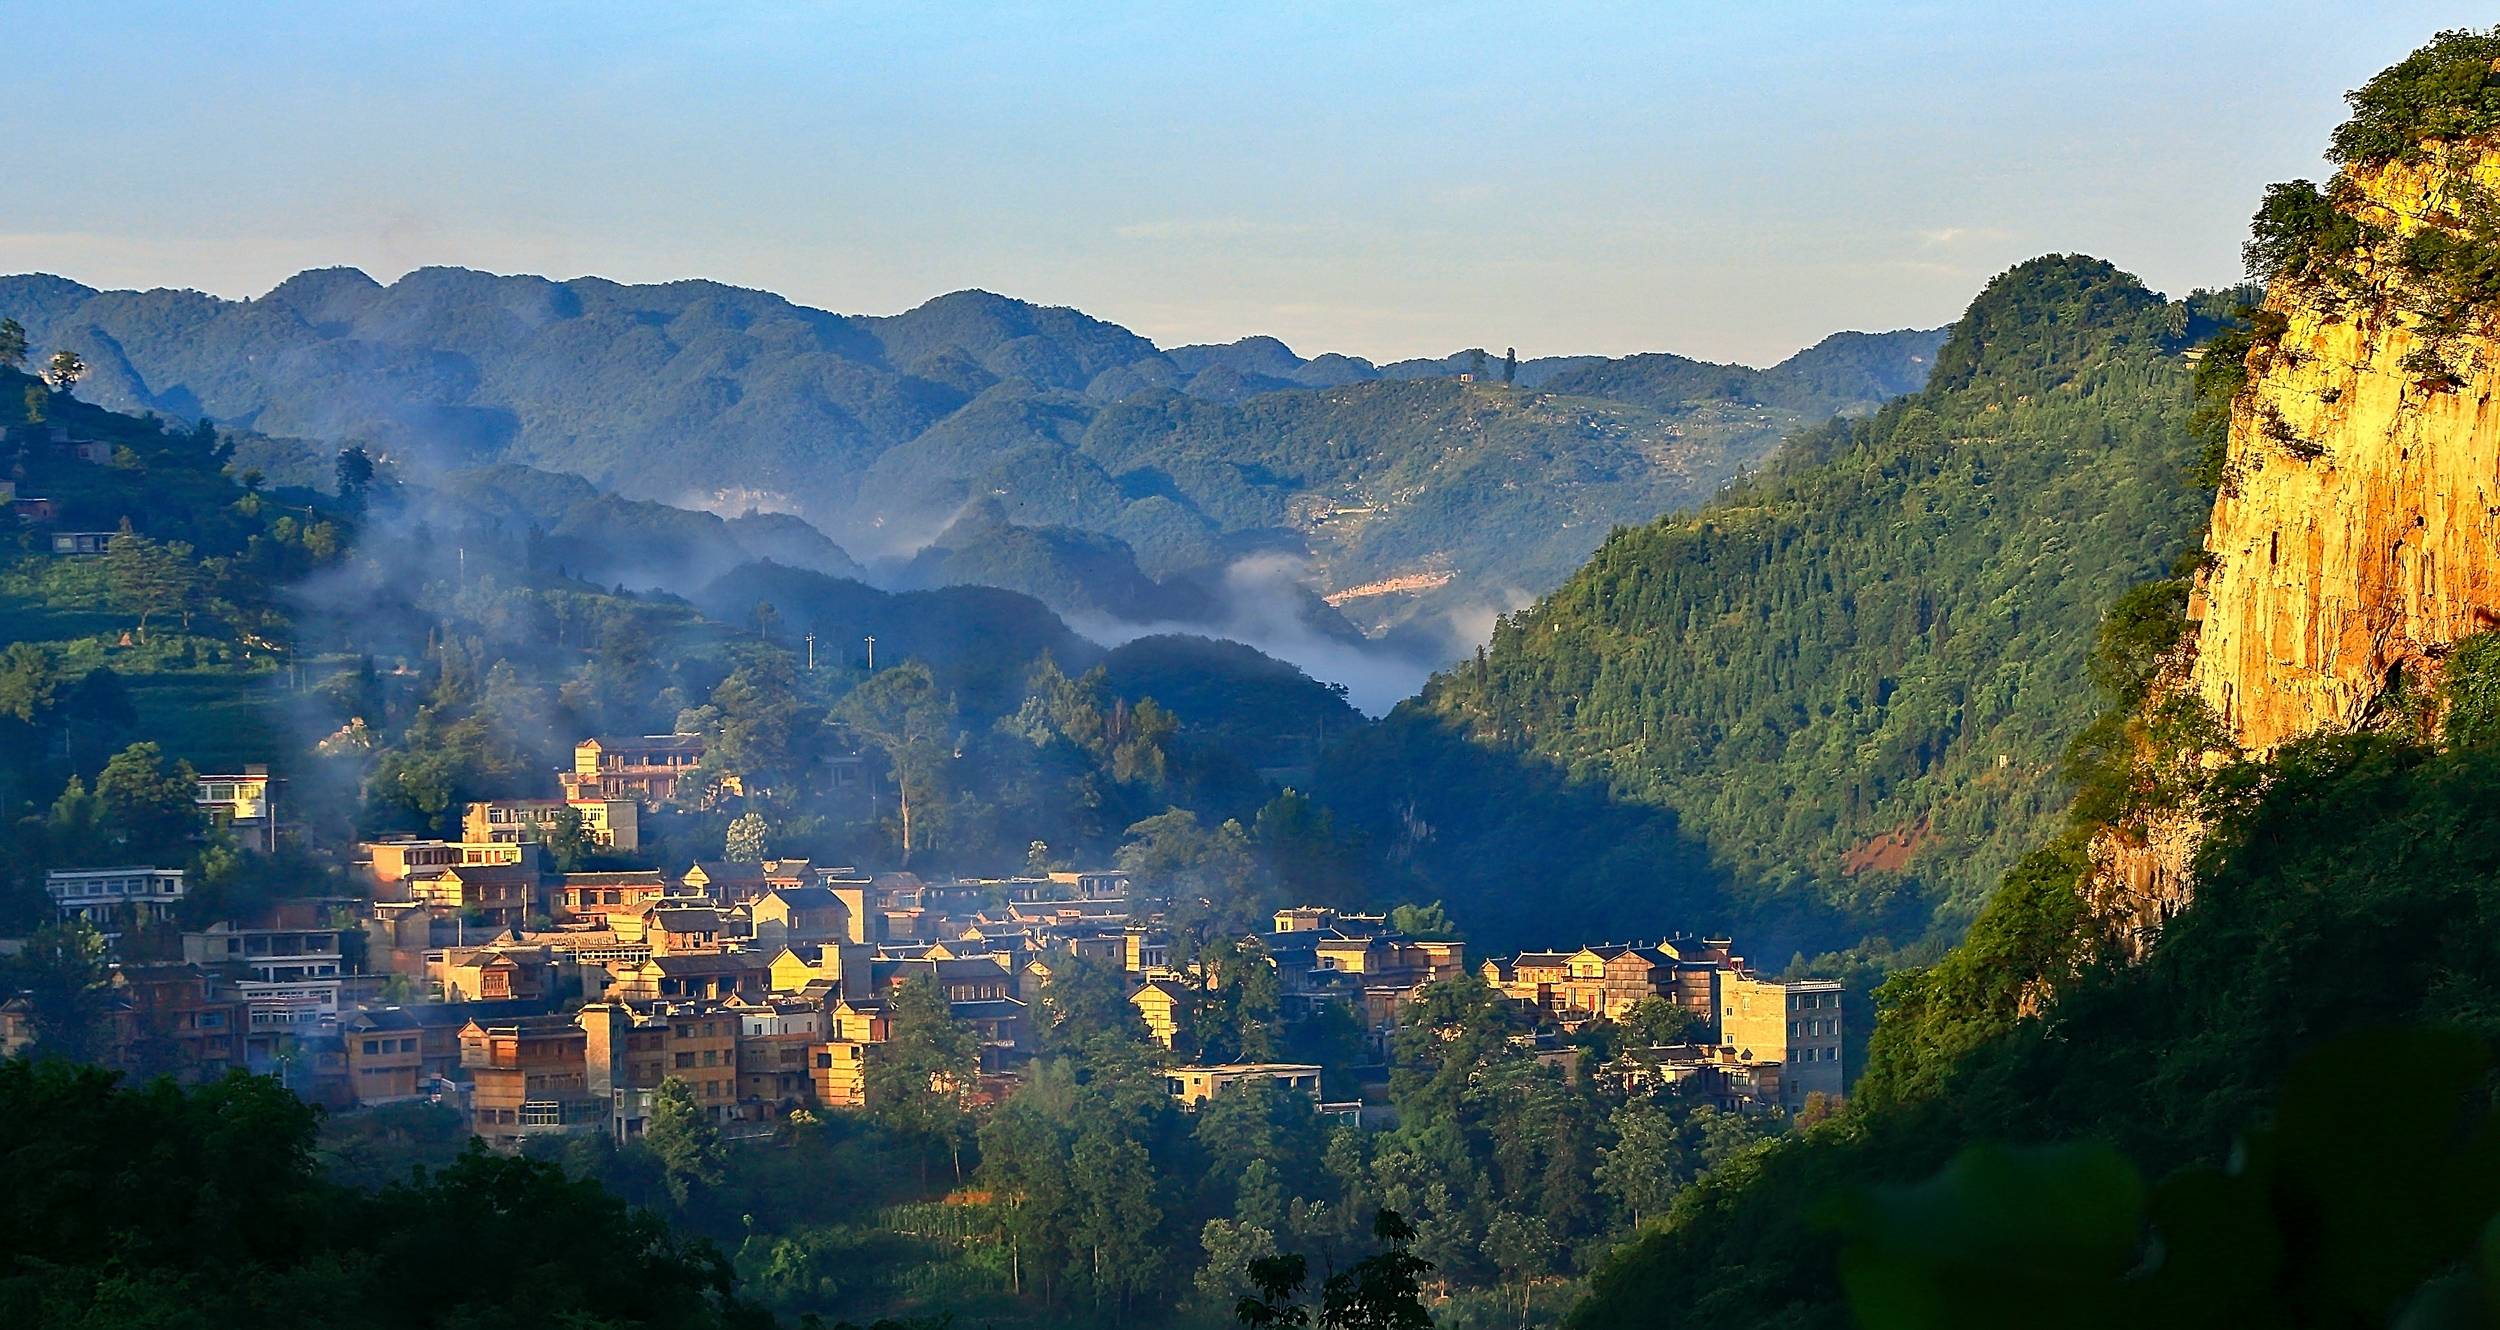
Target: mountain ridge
[(879, 428)]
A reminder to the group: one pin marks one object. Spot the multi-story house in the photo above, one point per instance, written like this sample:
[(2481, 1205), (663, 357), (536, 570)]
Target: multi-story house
[(391, 862), (612, 823), (644, 767), (1195, 1085), (726, 882), (286, 964), (244, 805), (1164, 1005), (1797, 1024), (630, 892), (385, 1055), (694, 977), (496, 972), (179, 1020), (110, 897), (496, 895), (629, 1052), (528, 1078), (775, 1042), (788, 915)]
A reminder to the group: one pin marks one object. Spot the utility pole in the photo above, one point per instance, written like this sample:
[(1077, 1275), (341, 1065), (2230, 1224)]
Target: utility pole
[(811, 653), (872, 654)]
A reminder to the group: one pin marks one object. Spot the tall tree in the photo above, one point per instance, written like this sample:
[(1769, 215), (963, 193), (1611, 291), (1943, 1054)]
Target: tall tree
[(748, 840), (686, 1141), (12, 344), (902, 712), (148, 578), (150, 806), (61, 970), (355, 477), (64, 371), (919, 1079)]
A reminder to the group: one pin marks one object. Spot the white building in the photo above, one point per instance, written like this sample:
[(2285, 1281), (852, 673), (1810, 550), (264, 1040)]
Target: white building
[(105, 896), (244, 804)]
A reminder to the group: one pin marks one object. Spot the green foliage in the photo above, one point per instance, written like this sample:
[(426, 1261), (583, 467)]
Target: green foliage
[(2363, 853), (904, 715), (2469, 688), (2300, 235), (920, 1078), (1883, 636), (2352, 1207), (1383, 1291), (2445, 91), (685, 1139), (749, 839), (134, 1218), (1424, 921), (60, 970)]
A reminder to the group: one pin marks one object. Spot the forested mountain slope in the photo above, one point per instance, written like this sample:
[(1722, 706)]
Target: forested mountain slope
[(1848, 678), (2341, 807), (880, 430)]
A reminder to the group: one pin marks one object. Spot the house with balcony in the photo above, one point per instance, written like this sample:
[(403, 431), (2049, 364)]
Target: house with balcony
[(613, 824), (110, 897), (244, 805), (528, 1077), (645, 767), (1195, 1085)]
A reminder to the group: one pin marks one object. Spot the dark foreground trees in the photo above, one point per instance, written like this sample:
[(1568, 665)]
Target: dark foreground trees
[(157, 1206)]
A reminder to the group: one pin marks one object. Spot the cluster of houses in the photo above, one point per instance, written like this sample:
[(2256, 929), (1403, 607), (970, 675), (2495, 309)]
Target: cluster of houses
[(537, 1002), (62, 443)]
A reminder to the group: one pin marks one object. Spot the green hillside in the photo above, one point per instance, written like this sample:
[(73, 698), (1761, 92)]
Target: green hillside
[(1849, 678)]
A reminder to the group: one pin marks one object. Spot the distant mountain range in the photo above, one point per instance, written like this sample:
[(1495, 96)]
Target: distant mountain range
[(1400, 491)]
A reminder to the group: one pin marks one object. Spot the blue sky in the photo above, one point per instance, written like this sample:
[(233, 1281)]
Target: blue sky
[(1729, 181)]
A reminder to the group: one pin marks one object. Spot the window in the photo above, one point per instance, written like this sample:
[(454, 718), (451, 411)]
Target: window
[(711, 1057), (372, 1046), (685, 1059)]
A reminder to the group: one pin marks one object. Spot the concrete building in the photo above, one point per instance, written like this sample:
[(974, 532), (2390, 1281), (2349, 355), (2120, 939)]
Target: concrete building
[(645, 767), (1798, 1025), (244, 805), (107, 897), (1194, 1085), (610, 823)]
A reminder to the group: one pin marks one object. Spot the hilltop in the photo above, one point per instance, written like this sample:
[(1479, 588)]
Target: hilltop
[(881, 429), (1837, 692)]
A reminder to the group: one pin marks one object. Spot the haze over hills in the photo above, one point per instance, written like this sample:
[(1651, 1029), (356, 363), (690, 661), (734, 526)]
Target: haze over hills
[(1406, 495)]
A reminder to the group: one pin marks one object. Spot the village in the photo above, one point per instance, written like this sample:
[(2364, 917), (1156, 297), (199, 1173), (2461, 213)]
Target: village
[(536, 1002)]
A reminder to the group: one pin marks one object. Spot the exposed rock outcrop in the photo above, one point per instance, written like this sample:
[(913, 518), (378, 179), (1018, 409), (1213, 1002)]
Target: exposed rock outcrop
[(2357, 531)]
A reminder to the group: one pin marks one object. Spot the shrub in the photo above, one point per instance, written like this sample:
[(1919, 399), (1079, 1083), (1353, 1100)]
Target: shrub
[(2471, 691), (2447, 90), (2299, 234)]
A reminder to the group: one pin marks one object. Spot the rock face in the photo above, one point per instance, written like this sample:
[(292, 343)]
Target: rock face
[(2358, 530)]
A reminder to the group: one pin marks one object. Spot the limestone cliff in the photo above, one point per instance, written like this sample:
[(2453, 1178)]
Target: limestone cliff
[(2357, 529)]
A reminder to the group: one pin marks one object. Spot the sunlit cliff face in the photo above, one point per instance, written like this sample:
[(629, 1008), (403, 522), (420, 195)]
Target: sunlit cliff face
[(2358, 531), (2356, 534)]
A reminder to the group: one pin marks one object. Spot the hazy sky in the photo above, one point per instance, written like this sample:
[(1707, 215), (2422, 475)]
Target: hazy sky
[(1724, 180)]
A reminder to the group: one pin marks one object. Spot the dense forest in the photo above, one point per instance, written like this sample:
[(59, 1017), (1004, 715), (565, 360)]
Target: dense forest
[(1844, 684)]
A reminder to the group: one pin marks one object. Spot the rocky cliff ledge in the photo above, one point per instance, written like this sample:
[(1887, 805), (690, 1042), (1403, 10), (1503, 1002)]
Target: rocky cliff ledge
[(2356, 532)]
